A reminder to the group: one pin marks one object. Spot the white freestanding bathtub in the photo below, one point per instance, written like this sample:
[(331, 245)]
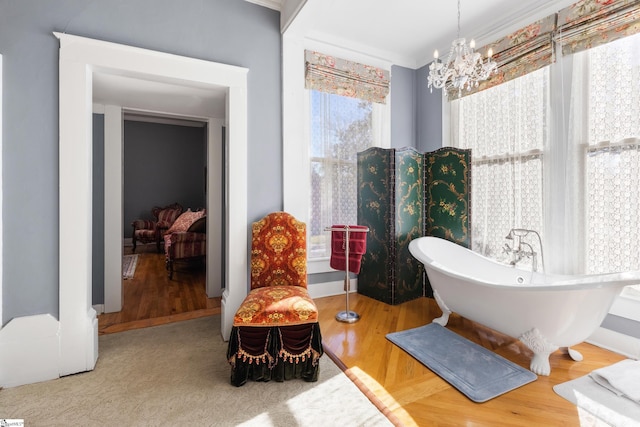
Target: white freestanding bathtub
[(544, 311)]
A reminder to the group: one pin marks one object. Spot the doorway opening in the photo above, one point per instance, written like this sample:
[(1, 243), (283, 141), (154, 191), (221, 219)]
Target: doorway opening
[(164, 162), (81, 60)]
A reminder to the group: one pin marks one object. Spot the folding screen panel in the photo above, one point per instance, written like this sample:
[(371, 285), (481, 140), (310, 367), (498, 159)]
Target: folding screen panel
[(403, 195)]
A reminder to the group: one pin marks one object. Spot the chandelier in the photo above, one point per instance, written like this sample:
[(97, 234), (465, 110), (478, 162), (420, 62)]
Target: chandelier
[(464, 67)]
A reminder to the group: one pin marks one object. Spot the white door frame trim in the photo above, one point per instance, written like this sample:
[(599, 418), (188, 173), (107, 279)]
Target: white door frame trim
[(79, 57), (113, 207), (1, 199)]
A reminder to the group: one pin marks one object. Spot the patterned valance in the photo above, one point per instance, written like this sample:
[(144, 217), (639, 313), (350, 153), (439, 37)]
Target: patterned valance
[(326, 73), (590, 23), (583, 25), (519, 53)]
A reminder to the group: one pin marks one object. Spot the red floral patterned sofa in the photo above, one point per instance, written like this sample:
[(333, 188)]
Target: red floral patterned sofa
[(186, 239), (151, 231), (276, 334)]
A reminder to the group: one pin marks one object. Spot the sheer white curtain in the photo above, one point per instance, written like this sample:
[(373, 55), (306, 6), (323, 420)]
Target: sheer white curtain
[(340, 127), (507, 128), (558, 151), (606, 132)]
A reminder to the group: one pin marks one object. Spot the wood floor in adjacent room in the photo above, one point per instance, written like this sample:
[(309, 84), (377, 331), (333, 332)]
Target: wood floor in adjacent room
[(150, 298), (410, 391)]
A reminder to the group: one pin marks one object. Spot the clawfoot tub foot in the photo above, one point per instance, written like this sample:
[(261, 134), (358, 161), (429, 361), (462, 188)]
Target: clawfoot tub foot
[(540, 364), (541, 348), (442, 320), (573, 354)]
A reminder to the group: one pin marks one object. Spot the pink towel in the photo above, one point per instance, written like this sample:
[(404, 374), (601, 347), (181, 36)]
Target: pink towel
[(357, 247)]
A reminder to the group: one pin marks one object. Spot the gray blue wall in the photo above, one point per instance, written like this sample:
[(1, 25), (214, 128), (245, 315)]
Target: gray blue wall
[(97, 271), (233, 32), (163, 164), (228, 31), (403, 107), (429, 113)]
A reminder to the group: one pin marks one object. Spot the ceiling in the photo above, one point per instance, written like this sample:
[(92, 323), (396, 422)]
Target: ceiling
[(400, 32), (158, 96), (406, 32)]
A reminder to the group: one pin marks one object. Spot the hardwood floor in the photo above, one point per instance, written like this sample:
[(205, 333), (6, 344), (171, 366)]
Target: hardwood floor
[(411, 393), (418, 397), (150, 298)]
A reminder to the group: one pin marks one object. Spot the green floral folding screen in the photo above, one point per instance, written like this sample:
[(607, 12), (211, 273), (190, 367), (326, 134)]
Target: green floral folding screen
[(447, 212), (390, 193), (402, 195)]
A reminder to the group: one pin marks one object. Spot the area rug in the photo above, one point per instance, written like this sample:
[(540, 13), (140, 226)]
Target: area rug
[(129, 263), (598, 405), (178, 374), (475, 371)]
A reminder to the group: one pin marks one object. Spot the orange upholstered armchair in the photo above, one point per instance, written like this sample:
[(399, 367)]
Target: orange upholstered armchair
[(275, 333), (151, 231)]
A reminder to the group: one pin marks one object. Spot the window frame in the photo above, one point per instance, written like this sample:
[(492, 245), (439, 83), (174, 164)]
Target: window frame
[(540, 153), (625, 306), (296, 127)]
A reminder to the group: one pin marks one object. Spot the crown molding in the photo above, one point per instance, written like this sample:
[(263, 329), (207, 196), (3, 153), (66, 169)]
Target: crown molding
[(271, 4)]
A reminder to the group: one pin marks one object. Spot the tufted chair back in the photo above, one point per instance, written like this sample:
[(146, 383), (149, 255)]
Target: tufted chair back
[(167, 215), (278, 251)]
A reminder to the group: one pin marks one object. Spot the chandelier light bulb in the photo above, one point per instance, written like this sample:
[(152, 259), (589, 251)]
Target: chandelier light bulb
[(463, 68)]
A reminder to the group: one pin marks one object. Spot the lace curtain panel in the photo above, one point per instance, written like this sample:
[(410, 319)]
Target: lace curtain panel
[(612, 156), (506, 128), (581, 190), (340, 128)]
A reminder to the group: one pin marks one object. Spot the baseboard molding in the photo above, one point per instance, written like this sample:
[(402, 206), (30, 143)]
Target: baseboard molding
[(32, 349), (29, 350), (614, 341), (99, 308), (225, 322), (327, 289)]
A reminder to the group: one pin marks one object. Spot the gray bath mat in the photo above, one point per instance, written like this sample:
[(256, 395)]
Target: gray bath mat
[(477, 372)]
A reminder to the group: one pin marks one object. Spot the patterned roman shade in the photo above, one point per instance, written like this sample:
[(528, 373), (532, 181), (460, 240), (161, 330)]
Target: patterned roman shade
[(590, 23), (522, 52), (326, 73), (583, 25)]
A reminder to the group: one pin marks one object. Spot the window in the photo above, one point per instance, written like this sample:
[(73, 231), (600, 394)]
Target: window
[(506, 128), (612, 157), (340, 127), (323, 131)]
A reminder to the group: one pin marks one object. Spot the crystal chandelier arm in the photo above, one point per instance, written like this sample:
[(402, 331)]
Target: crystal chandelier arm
[(464, 67)]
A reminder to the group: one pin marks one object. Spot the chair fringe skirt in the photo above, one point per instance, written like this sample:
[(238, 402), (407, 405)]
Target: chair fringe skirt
[(259, 353)]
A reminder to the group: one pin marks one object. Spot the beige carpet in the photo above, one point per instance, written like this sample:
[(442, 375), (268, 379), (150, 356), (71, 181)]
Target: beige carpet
[(177, 374)]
